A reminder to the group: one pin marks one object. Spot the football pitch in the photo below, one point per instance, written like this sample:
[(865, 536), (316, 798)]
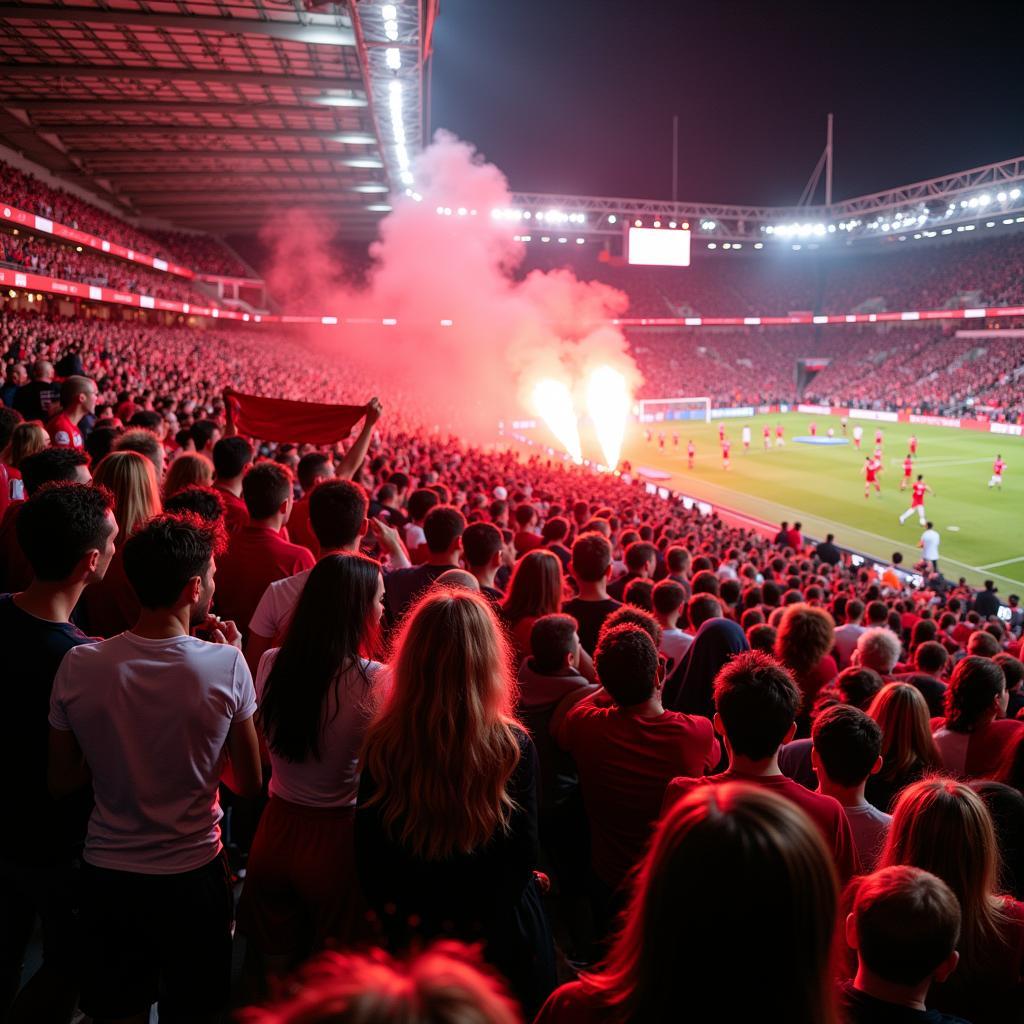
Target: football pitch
[(982, 530)]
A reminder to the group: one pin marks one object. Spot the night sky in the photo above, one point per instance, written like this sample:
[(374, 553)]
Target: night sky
[(578, 97)]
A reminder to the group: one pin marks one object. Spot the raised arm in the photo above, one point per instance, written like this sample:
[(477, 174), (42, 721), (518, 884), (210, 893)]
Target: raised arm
[(353, 458)]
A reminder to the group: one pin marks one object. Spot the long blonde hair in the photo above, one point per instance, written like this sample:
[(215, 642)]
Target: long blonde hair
[(755, 871), (187, 469), (26, 439), (902, 714), (444, 746), (130, 477), (943, 826)]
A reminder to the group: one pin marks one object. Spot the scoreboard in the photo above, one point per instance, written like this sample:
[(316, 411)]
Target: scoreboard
[(658, 247)]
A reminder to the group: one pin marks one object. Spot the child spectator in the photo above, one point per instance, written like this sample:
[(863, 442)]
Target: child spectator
[(846, 750)]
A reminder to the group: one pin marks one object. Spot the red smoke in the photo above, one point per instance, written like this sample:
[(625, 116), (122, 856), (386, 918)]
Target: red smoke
[(427, 268)]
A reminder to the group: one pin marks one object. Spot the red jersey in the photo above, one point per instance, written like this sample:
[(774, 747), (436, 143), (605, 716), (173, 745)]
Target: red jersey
[(997, 467), (917, 498), (691, 449), (814, 429), (778, 431), (64, 434), (721, 431), (878, 437), (908, 467), (913, 445), (726, 445), (767, 432), (871, 471)]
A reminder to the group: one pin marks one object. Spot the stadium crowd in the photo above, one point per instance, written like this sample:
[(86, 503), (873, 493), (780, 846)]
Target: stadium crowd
[(638, 757), (45, 256), (197, 252)]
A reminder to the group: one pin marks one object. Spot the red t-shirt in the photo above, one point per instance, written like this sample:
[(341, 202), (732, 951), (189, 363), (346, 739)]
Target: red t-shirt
[(917, 498), (908, 467), (525, 541), (986, 747), (236, 515), (300, 529), (624, 764), (826, 812), (256, 557), (64, 434)]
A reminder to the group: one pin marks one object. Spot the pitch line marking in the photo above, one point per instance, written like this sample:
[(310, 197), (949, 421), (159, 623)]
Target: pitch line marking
[(1006, 561)]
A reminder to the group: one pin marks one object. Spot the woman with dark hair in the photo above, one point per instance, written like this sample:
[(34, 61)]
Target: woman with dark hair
[(943, 827), (975, 738), (317, 693), (446, 831), (1006, 806), (734, 875), (805, 637), (535, 590), (691, 685)]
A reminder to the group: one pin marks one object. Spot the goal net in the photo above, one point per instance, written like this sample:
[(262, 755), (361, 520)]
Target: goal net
[(656, 410)]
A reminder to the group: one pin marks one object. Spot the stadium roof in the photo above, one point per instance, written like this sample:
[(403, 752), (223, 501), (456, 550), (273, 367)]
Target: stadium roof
[(210, 115)]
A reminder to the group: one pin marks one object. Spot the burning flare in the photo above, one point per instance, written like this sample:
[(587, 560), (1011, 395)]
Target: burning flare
[(553, 402), (608, 402)]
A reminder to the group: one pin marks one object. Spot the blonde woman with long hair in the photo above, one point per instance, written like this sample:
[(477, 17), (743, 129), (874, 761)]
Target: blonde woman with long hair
[(111, 606), (942, 826), (908, 750), (446, 830)]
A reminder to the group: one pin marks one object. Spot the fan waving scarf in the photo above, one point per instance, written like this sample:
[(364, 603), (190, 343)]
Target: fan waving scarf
[(276, 419)]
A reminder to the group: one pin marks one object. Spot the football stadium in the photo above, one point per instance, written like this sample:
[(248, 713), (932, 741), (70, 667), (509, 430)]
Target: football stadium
[(508, 512)]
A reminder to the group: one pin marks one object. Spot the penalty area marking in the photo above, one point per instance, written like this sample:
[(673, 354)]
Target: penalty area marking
[(1006, 561)]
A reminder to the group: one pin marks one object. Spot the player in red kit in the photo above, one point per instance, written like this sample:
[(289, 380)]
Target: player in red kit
[(814, 429), (908, 472), (780, 441), (691, 451), (878, 437), (996, 480), (913, 444), (726, 445), (767, 435), (917, 501), (721, 432), (872, 467)]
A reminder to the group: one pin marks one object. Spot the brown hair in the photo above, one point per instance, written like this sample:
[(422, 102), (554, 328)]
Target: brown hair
[(907, 741), (724, 854), (187, 470), (805, 636), (130, 477), (535, 588)]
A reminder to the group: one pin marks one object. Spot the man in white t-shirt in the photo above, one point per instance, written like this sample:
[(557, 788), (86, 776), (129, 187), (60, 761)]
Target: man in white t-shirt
[(669, 598), (929, 545), (157, 718), (337, 516)]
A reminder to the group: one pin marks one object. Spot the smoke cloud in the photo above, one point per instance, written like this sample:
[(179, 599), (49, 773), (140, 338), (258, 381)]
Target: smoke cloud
[(507, 330)]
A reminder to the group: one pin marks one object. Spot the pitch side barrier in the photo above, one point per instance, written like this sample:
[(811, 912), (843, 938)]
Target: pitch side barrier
[(983, 423), (706, 508)]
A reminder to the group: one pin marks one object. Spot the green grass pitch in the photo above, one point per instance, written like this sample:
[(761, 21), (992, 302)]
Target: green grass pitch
[(982, 530)]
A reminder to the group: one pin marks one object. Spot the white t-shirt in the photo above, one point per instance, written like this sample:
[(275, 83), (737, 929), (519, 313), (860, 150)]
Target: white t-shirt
[(414, 536), (152, 719), (333, 781), (674, 644), (277, 604), (930, 544)]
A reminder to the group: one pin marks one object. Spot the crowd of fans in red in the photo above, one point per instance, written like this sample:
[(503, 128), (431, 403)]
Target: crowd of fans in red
[(197, 252), (39, 255), (449, 695)]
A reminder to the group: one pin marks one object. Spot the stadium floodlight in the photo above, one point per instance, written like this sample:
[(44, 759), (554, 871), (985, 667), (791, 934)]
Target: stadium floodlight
[(370, 187), (947, 231), (727, 245), (657, 223), (759, 245), (638, 223), (1001, 197), (393, 58), (671, 223), (612, 218), (712, 245), (330, 100), (580, 241), (984, 200), (354, 138), (1015, 193)]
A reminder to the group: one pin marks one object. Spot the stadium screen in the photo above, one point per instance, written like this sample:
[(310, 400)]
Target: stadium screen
[(658, 247)]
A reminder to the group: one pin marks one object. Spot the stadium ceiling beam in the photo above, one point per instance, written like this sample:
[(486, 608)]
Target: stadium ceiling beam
[(34, 105), (130, 179), (312, 29), (164, 74), (188, 156), (199, 198), (354, 138)]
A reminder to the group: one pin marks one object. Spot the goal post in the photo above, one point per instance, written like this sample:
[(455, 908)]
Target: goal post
[(657, 410)]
